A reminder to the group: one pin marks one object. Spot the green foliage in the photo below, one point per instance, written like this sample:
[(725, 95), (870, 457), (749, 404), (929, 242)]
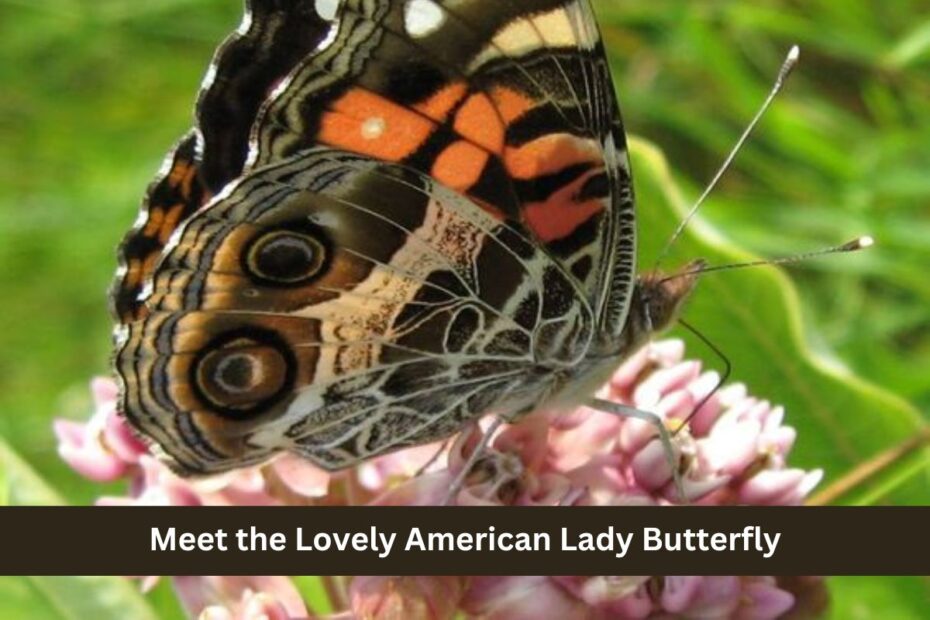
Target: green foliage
[(73, 598), (95, 91), (865, 598), (754, 316), (843, 153)]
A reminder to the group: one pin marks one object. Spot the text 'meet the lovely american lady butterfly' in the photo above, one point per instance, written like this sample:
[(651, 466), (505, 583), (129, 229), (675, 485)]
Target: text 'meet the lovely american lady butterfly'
[(391, 218)]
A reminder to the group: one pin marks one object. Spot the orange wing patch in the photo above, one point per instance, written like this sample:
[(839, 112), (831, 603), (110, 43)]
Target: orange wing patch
[(561, 214), (479, 120), (510, 104), (136, 271), (170, 223), (182, 177), (460, 165), (163, 222), (368, 124), (441, 104), (550, 154)]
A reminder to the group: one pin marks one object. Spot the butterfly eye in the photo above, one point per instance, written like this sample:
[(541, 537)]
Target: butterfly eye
[(240, 375), (285, 258)]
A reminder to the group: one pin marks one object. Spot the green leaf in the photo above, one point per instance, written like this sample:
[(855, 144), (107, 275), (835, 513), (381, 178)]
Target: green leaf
[(754, 317), (59, 598), (878, 598), (22, 486), (81, 598), (4, 488), (912, 48), (19, 599)]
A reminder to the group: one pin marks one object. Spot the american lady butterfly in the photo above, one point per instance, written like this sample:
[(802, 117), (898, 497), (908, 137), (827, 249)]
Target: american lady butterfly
[(391, 218)]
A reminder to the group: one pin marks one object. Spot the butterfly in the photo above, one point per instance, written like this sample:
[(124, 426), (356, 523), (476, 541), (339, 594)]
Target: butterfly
[(391, 218)]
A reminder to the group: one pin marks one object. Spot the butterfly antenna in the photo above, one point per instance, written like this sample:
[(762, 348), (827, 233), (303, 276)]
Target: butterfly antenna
[(791, 60), (724, 376), (855, 245)]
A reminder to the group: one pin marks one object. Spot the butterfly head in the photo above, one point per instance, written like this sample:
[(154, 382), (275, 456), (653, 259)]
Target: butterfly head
[(657, 301)]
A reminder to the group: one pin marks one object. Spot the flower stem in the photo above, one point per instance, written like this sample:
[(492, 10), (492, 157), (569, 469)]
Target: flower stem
[(863, 472), (336, 590)]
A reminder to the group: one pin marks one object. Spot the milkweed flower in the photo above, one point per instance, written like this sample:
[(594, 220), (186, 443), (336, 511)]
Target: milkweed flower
[(732, 450), (241, 598), (102, 449)]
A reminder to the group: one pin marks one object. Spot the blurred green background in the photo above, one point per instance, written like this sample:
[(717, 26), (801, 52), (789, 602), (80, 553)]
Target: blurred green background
[(94, 92)]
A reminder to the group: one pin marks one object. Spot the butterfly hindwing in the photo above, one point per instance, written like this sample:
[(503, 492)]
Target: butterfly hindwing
[(336, 298)]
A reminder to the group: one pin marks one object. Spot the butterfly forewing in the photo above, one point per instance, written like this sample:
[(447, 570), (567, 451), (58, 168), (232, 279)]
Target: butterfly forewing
[(510, 103), (273, 38)]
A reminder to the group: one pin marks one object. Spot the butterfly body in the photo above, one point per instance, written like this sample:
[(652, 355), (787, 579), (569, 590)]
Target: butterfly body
[(422, 215)]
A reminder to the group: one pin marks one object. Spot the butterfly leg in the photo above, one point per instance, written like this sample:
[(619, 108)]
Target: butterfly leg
[(473, 458), (432, 459), (665, 437)]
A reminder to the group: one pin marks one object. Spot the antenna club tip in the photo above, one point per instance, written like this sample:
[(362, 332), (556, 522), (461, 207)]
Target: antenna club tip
[(791, 61), (859, 244)]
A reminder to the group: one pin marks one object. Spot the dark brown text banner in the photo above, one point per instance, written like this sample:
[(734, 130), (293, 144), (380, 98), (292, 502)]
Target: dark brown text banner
[(465, 541)]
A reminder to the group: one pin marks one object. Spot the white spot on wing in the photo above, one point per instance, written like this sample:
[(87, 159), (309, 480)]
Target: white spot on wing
[(556, 29), (373, 128), (518, 37), (422, 17), (327, 9)]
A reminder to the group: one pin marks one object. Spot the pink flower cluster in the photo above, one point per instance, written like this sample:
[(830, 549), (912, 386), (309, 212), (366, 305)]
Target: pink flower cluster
[(733, 451)]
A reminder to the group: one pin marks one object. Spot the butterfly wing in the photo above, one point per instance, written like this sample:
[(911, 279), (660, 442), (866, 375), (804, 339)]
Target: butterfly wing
[(339, 307), (507, 101), (434, 219), (273, 38)]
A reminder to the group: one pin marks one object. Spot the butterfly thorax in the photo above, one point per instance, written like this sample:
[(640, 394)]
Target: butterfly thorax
[(655, 303)]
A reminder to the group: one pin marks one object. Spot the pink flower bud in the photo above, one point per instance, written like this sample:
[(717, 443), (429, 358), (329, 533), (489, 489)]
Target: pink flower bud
[(298, 477), (778, 487), (522, 598), (263, 606), (81, 446), (416, 598), (241, 598), (763, 600), (679, 592), (102, 449), (651, 466)]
